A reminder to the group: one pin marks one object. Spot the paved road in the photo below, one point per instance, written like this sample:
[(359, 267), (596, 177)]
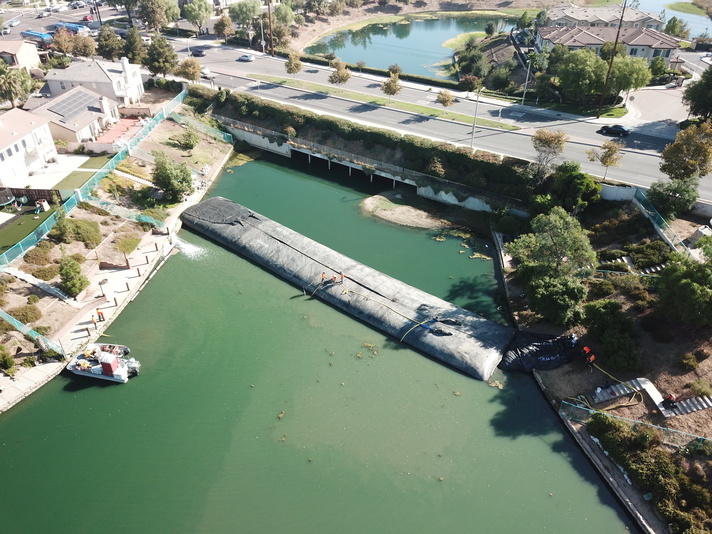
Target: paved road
[(639, 165)]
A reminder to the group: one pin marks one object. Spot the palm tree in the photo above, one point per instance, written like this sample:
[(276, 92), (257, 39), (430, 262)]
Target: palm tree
[(14, 84)]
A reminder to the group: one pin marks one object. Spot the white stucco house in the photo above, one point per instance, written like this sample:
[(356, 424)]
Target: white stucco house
[(26, 146), (118, 81), (607, 16), (79, 115)]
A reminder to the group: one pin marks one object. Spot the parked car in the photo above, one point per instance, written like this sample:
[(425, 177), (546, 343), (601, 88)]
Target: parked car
[(205, 73), (6, 31), (246, 57), (78, 4), (43, 14), (87, 18), (59, 9), (93, 33), (197, 52), (13, 23), (616, 129)]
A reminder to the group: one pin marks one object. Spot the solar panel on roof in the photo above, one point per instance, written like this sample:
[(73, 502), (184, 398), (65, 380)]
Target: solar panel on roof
[(73, 105)]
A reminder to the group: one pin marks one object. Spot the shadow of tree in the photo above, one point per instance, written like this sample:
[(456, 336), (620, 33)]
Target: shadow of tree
[(362, 108)]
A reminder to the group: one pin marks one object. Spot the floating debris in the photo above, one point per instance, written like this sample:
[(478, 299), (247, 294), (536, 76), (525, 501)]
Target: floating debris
[(441, 479), (480, 256), (457, 393), (462, 252), (495, 384), (281, 415), (439, 238), (331, 363), (464, 245)]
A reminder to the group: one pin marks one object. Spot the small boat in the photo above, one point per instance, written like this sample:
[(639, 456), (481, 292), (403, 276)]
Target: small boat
[(107, 362)]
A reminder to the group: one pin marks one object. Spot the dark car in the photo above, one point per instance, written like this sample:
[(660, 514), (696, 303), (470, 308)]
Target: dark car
[(197, 52), (616, 130)]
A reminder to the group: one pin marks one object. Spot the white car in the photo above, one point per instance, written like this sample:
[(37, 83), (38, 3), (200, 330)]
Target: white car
[(246, 57), (205, 73), (6, 31), (13, 23), (59, 9)]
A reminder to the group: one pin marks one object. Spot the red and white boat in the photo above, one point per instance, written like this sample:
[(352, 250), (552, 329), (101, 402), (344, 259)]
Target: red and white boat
[(106, 362)]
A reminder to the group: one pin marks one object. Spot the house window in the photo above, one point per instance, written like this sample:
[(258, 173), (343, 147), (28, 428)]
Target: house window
[(633, 52), (61, 86), (635, 25), (17, 148), (24, 144), (2, 156), (9, 151), (667, 53), (656, 53)]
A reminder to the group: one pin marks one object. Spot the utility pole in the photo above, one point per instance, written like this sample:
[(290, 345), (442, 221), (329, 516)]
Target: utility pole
[(526, 82), (610, 63), (474, 122), (269, 20)]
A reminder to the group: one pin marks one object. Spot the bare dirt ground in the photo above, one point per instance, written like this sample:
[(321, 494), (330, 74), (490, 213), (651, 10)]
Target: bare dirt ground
[(55, 313)]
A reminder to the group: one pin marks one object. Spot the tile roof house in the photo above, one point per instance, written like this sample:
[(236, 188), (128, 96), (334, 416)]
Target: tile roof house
[(571, 15), (639, 42), (19, 55), (26, 146), (121, 82), (79, 115)]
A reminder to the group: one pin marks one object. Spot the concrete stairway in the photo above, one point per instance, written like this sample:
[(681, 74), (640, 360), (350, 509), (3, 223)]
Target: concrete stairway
[(639, 384)]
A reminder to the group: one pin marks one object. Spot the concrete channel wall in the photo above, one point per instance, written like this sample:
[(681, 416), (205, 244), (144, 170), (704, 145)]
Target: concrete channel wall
[(447, 333)]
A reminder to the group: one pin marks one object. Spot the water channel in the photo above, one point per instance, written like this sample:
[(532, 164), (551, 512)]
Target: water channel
[(373, 436)]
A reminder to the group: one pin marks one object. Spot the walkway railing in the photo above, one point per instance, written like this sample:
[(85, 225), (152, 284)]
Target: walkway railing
[(661, 225), (669, 436), (27, 331), (72, 202), (331, 153)]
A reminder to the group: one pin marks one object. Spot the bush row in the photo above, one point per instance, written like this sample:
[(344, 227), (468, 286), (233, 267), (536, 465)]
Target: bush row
[(482, 170), (682, 502)]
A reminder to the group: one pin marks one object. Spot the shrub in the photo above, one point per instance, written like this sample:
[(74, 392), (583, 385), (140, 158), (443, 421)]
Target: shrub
[(46, 273), (189, 139), (688, 362), (7, 362), (33, 299), (128, 243), (79, 258), (649, 254), (610, 255), (44, 330), (72, 280), (601, 288), (78, 230), (701, 388), (509, 225), (617, 267), (29, 313), (608, 324), (91, 208), (39, 255)]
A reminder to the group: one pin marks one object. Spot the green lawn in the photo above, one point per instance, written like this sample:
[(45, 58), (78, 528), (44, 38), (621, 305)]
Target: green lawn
[(78, 178), (20, 227), (96, 162), (687, 7)]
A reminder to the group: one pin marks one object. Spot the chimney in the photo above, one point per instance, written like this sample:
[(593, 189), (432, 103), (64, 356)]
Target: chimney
[(104, 106), (125, 68)]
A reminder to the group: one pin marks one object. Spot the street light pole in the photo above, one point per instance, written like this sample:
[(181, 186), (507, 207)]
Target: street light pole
[(526, 82), (474, 122), (262, 34)]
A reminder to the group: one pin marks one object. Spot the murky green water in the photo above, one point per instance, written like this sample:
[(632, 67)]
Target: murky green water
[(417, 45), (195, 444)]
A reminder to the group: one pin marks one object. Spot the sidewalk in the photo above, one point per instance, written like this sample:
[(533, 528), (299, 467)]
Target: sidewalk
[(118, 287)]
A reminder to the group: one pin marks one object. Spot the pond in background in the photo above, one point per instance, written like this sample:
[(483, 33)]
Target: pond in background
[(416, 45)]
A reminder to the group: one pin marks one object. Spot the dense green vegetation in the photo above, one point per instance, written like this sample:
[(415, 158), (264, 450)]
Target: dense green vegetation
[(678, 489)]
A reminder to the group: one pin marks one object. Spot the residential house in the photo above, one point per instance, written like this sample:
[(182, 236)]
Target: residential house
[(19, 55), (601, 17), (639, 42), (79, 115), (120, 82), (26, 146)]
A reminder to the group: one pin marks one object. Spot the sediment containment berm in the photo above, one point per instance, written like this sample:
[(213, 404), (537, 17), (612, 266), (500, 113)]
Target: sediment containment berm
[(445, 332)]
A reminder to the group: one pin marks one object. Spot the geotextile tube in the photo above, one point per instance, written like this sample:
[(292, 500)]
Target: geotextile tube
[(446, 332)]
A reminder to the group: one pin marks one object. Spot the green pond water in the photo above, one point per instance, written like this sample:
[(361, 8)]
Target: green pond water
[(369, 427)]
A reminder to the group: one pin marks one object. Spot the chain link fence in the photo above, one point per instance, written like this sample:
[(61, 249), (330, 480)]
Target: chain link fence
[(27, 331), (661, 225), (675, 438)]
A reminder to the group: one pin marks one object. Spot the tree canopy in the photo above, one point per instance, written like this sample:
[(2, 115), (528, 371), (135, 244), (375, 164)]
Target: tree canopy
[(677, 28), (557, 246), (243, 12), (15, 84), (173, 179), (685, 291), (189, 69), (690, 154), (198, 13), (223, 27), (158, 13), (134, 47), (341, 74), (698, 96), (160, 57), (609, 155), (628, 73), (392, 86), (109, 45), (549, 144), (293, 64), (581, 75)]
